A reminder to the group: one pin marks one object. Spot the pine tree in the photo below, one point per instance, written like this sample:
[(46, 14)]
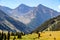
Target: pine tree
[(8, 35), (19, 35), (14, 38), (2, 36)]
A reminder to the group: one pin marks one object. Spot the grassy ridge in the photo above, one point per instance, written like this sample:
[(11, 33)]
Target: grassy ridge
[(52, 24)]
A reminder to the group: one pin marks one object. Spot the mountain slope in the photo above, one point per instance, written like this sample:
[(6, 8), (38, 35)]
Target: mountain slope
[(41, 14), (32, 17), (23, 8), (10, 24), (35, 16), (6, 10), (50, 25)]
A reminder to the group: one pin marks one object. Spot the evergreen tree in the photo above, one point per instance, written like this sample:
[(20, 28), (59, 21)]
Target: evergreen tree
[(8, 35), (14, 38), (2, 36), (12, 34), (19, 35)]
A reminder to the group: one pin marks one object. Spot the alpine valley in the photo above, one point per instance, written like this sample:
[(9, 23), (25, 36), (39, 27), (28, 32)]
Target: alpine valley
[(25, 18)]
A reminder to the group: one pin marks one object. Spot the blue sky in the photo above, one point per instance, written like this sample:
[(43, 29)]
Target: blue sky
[(54, 4)]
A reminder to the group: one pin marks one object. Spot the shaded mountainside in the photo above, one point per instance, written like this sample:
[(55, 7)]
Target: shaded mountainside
[(6, 10), (40, 15), (10, 24), (32, 17), (22, 9), (50, 25)]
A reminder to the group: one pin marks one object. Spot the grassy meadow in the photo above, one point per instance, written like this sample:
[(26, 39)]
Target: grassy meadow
[(46, 35)]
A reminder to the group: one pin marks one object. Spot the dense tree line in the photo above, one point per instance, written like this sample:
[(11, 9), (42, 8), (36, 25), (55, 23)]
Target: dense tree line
[(4, 36)]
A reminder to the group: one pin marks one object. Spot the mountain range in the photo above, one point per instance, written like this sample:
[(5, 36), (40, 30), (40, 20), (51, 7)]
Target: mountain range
[(29, 17)]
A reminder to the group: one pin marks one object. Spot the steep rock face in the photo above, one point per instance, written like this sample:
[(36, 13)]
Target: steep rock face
[(6, 10), (2, 21), (23, 8), (42, 14), (10, 24)]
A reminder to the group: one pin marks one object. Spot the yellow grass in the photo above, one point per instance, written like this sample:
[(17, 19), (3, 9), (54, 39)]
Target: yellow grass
[(47, 35)]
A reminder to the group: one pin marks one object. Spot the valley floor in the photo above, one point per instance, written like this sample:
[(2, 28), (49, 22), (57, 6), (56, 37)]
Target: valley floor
[(47, 35)]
